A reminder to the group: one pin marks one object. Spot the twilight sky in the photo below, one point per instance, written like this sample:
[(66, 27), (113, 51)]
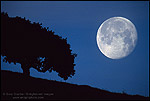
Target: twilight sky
[(79, 22)]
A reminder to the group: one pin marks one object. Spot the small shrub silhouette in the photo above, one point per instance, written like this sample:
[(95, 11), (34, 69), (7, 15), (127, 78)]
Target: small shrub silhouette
[(33, 46)]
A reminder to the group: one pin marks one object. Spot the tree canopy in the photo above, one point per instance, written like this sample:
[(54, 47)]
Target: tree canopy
[(34, 46)]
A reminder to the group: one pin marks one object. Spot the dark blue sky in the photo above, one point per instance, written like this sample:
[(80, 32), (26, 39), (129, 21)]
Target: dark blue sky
[(79, 22)]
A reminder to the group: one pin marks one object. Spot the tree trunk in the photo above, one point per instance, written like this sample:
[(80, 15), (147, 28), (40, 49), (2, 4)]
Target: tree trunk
[(26, 70)]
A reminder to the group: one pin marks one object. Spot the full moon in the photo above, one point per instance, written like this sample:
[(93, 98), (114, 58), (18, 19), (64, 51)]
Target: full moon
[(116, 37)]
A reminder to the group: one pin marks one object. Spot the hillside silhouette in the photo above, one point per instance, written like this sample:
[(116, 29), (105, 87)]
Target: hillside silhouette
[(18, 86)]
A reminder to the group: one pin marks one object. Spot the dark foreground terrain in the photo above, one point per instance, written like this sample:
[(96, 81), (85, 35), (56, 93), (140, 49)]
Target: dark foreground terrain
[(15, 86)]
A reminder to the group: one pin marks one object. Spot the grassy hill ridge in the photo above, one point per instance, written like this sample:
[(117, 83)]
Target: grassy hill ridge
[(17, 86)]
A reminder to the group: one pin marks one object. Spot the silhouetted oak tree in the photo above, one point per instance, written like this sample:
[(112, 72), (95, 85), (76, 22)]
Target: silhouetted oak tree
[(33, 46)]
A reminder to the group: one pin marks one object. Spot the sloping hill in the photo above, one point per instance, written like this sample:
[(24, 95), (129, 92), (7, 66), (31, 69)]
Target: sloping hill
[(17, 86)]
